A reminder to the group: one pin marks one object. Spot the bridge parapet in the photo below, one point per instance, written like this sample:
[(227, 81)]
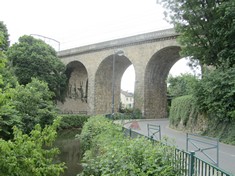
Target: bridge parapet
[(133, 40)]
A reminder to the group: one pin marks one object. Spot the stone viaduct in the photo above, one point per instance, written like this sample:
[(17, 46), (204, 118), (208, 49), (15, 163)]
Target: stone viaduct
[(90, 70)]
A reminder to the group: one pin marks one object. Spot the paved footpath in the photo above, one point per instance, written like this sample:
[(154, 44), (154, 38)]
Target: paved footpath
[(226, 152)]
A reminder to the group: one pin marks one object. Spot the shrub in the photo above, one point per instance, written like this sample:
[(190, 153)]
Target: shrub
[(73, 121), (128, 114), (215, 94), (181, 85), (34, 105), (93, 127), (31, 154), (181, 109), (109, 152)]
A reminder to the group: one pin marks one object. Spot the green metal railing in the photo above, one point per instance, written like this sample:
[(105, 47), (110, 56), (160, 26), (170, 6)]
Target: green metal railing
[(202, 167), (154, 131), (202, 144), (186, 162)]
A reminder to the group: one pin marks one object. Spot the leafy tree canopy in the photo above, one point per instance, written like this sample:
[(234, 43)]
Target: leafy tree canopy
[(8, 114), (23, 106), (181, 85), (207, 29), (215, 94), (34, 105), (34, 58), (4, 44)]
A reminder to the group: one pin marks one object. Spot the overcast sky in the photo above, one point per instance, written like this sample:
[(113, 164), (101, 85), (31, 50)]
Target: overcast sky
[(81, 22)]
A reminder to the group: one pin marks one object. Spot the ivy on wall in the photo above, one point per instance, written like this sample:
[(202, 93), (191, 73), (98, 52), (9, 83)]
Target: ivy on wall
[(182, 108)]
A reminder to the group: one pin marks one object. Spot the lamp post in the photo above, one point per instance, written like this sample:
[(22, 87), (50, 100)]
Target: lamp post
[(118, 53)]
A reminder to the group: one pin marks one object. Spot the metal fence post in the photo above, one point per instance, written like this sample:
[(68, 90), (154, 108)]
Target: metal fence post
[(217, 152), (187, 142), (191, 163), (160, 135), (148, 129)]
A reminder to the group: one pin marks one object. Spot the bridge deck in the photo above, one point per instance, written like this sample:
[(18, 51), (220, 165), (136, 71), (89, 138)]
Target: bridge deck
[(141, 38)]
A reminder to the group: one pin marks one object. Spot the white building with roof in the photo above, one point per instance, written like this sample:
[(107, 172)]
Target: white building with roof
[(127, 99)]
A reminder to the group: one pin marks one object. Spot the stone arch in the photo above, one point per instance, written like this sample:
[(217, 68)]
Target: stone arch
[(103, 83), (77, 89), (155, 91)]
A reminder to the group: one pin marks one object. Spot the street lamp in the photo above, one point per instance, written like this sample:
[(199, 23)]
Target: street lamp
[(118, 53)]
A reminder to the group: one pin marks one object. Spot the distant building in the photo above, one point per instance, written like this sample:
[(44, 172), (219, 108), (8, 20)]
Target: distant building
[(127, 99)]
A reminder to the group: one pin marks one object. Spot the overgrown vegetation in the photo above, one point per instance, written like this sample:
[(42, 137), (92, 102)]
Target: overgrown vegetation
[(25, 106), (108, 152), (125, 113), (30, 103), (212, 103), (215, 94), (70, 121), (181, 85), (28, 122), (31, 154), (182, 108)]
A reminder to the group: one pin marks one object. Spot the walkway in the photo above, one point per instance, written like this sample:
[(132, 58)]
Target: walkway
[(226, 152)]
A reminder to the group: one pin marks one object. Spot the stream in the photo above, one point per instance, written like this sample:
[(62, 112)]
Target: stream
[(69, 151)]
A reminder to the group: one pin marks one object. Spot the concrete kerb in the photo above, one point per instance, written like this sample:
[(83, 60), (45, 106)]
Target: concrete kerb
[(125, 122), (143, 120), (129, 122)]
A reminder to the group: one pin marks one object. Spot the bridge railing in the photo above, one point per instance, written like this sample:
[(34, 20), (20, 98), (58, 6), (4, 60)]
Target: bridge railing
[(75, 112), (186, 162)]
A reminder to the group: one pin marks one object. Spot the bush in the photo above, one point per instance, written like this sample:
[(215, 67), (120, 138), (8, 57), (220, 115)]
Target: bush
[(181, 85), (109, 152), (181, 109), (31, 154), (73, 121), (34, 105), (93, 127), (215, 94), (128, 114)]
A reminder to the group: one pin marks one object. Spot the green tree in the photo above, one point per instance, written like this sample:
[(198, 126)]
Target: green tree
[(215, 94), (181, 85), (207, 29), (9, 80), (34, 58), (8, 114), (31, 154), (4, 44), (23, 106), (34, 105)]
